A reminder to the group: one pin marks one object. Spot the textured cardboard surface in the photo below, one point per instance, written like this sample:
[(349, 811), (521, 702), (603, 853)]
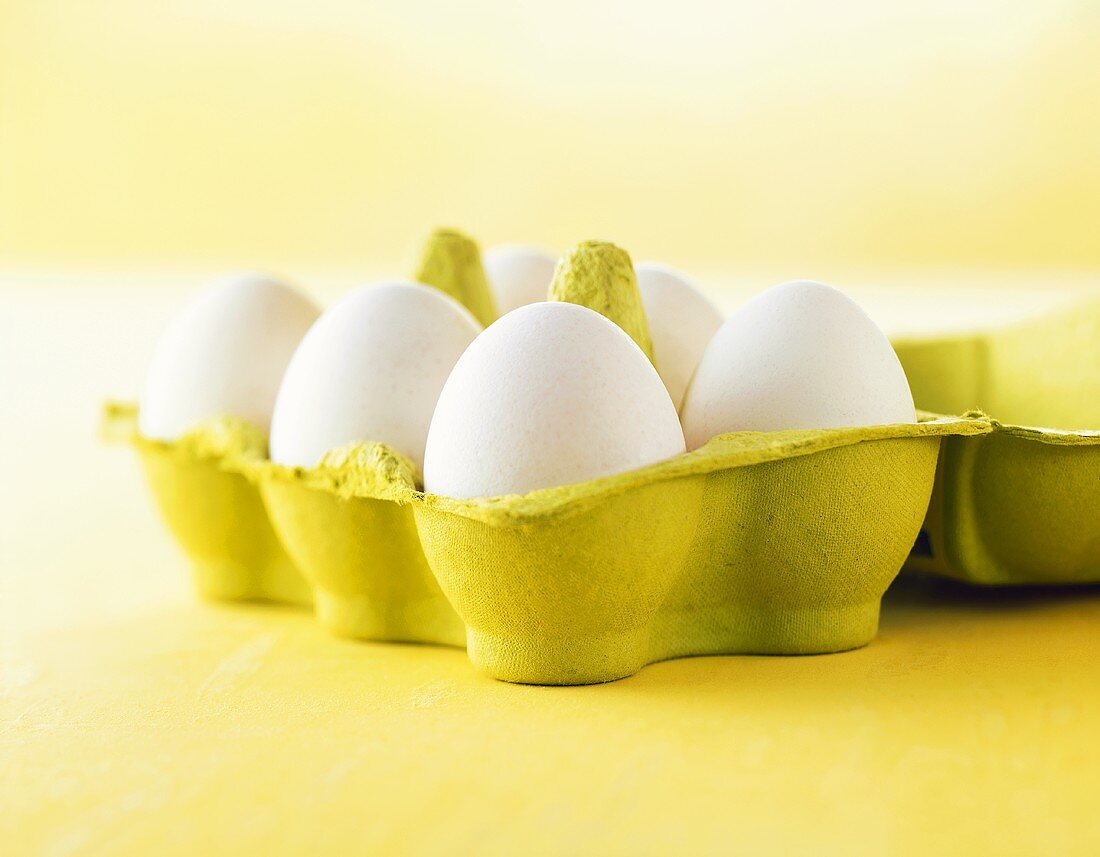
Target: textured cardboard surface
[(764, 543)]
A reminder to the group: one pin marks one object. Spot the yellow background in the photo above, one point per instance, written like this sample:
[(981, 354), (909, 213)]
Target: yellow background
[(189, 730), (795, 138), (143, 145)]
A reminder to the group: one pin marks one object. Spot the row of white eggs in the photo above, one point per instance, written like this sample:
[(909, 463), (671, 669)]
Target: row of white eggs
[(550, 394)]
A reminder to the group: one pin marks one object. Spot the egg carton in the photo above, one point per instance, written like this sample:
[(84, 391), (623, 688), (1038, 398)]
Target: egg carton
[(1021, 503), (756, 543)]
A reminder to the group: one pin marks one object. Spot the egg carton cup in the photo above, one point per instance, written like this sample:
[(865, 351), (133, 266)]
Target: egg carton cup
[(213, 509), (1021, 504), (756, 543)]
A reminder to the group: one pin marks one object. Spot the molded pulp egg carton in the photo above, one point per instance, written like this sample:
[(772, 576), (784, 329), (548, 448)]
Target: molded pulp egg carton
[(764, 543), (1021, 504), (777, 543)]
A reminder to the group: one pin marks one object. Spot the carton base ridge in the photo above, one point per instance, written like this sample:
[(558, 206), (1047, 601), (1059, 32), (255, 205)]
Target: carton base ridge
[(729, 630), (362, 616), (220, 584), (559, 660), (767, 630)]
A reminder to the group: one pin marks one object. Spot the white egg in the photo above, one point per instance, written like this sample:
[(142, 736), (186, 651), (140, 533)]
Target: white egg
[(224, 354), (371, 368), (682, 320), (518, 275), (550, 394), (801, 355)]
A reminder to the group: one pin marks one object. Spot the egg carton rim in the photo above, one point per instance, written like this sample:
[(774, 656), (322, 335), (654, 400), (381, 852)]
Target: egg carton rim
[(722, 453)]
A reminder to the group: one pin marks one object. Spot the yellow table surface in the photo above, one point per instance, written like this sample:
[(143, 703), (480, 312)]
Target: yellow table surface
[(134, 720)]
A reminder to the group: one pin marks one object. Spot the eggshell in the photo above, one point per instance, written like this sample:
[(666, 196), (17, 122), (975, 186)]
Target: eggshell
[(682, 320), (550, 394), (371, 368), (518, 275), (224, 354), (801, 355)]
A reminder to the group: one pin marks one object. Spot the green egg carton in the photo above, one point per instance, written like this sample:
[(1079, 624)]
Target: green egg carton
[(757, 543), (1021, 504), (348, 525), (214, 509)]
